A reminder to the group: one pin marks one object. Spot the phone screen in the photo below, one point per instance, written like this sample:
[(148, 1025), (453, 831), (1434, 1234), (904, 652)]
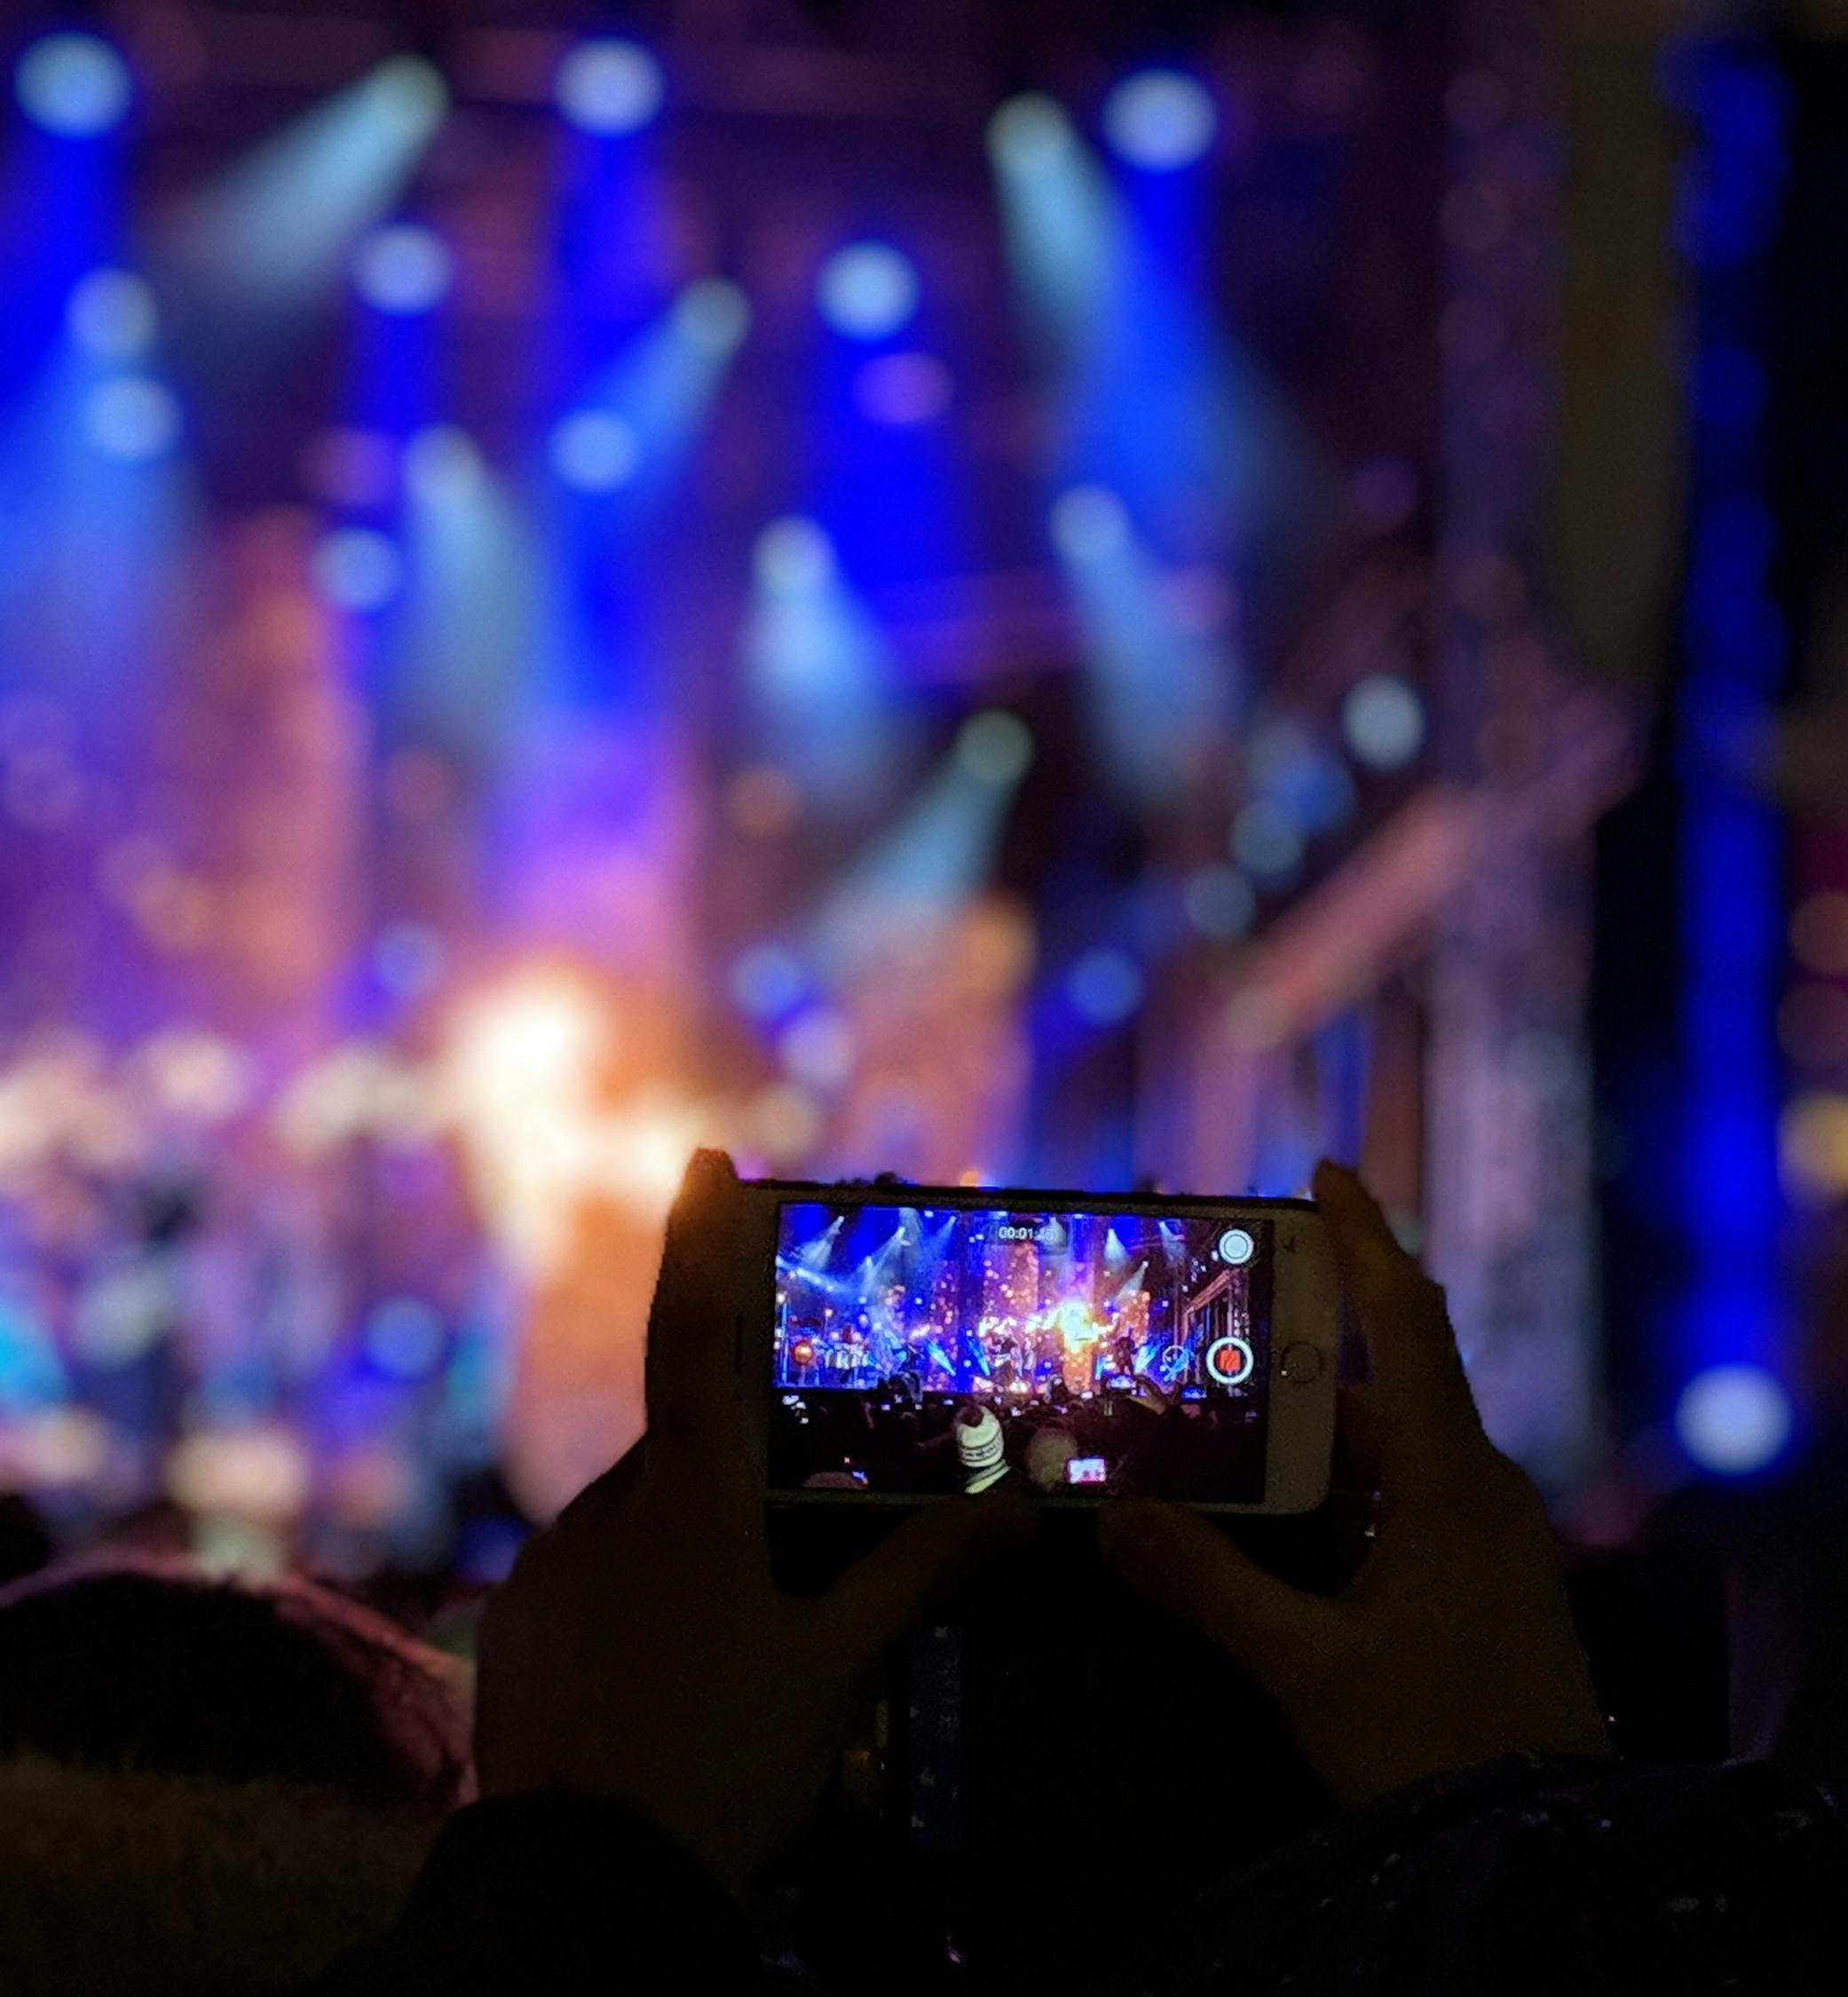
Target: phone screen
[(918, 1352)]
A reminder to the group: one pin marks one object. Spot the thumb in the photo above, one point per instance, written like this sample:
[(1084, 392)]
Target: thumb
[(1176, 1557), (898, 1584)]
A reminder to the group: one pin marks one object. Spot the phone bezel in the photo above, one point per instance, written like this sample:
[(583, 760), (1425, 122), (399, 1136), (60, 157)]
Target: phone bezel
[(1305, 1298)]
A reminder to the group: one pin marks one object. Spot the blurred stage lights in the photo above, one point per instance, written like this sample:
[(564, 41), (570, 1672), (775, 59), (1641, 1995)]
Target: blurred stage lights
[(1383, 721), (609, 87), (1160, 120), (1733, 1419), (1267, 841), (767, 981), (134, 418), (357, 568), (1220, 903), (404, 268), (867, 290), (713, 315), (75, 85), (994, 748), (1030, 134), (794, 555), (405, 1336), (1104, 987), (442, 461), (112, 315), (593, 451), (1089, 523), (901, 388)]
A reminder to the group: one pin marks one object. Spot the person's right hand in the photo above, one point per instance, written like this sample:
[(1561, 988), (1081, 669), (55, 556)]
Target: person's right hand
[(1454, 1644)]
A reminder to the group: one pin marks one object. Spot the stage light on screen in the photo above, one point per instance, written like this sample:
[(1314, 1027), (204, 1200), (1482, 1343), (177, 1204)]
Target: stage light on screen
[(1104, 986), (112, 315), (609, 86), (134, 418), (1160, 120), (903, 389), (713, 315), (405, 269), (1383, 721), (868, 290), (595, 452), (1028, 134), (357, 568), (1267, 841), (1733, 1419), (794, 555), (1089, 523), (75, 85), (995, 747)]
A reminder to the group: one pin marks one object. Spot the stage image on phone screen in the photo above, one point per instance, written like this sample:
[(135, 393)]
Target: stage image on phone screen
[(1090, 1355)]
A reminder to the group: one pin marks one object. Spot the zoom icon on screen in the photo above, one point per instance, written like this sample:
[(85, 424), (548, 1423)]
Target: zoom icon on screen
[(1236, 1246)]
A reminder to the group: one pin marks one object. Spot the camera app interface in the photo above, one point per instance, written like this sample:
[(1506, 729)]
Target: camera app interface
[(1092, 1354)]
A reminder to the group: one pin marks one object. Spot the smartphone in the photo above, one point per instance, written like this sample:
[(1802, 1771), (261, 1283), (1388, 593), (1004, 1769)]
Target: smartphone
[(897, 1344)]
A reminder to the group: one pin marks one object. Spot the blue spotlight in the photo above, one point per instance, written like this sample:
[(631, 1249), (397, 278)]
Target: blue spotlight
[(1220, 903), (609, 87), (713, 316), (593, 451), (994, 747), (1030, 134), (133, 417), (358, 568), (1382, 719), (405, 269), (1157, 690), (867, 290), (1733, 1419), (111, 314), (1160, 120), (767, 981), (281, 225), (442, 461), (820, 669), (76, 86), (1104, 987), (1268, 840)]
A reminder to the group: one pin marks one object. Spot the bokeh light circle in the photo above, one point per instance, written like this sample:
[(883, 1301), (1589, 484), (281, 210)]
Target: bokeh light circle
[(73, 84), (1383, 721), (767, 981), (358, 568), (1160, 120), (901, 388), (610, 86), (1028, 134), (868, 290), (595, 452), (794, 554), (404, 268), (713, 315), (1733, 1419), (1268, 841), (995, 747), (112, 314), (134, 418), (1220, 903), (442, 461), (1104, 986), (1089, 523)]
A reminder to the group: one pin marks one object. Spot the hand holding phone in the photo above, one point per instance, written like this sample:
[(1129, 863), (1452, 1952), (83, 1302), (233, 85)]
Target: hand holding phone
[(1454, 1645)]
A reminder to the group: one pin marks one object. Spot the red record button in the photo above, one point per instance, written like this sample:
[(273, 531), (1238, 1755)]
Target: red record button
[(1229, 1361)]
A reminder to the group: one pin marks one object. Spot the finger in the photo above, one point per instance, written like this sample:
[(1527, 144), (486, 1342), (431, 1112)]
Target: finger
[(690, 1348), (1175, 1557), (602, 1501), (898, 1585), (1420, 1402)]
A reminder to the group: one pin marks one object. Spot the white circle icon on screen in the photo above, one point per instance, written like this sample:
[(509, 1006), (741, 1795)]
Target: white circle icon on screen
[(1230, 1360), (1236, 1246)]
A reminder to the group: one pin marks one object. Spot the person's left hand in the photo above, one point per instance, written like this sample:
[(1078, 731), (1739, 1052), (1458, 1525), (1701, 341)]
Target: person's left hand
[(640, 1649)]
